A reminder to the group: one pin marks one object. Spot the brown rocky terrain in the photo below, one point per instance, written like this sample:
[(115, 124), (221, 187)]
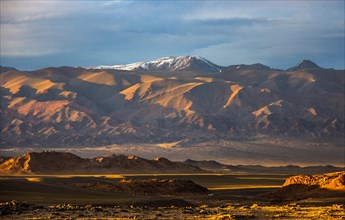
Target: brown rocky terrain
[(84, 197), (2, 159), (311, 186), (215, 166), (331, 181), (148, 186), (66, 163), (74, 107), (23, 210), (49, 162)]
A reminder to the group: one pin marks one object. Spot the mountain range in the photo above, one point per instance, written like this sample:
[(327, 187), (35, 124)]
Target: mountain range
[(50, 163), (181, 63), (215, 166), (195, 63), (174, 104)]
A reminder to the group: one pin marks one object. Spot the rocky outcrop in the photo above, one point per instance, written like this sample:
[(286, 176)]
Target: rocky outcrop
[(310, 186), (149, 186), (46, 161), (2, 159), (289, 169), (331, 181)]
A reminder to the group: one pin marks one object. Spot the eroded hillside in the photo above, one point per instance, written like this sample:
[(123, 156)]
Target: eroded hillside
[(76, 107)]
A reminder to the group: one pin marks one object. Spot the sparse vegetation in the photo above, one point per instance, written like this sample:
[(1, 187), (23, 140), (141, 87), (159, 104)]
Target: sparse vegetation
[(144, 198), (16, 210)]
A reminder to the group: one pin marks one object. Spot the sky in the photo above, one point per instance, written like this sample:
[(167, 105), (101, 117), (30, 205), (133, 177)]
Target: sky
[(38, 34)]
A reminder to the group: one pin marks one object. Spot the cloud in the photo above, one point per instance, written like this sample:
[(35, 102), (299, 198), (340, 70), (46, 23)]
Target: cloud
[(27, 28), (111, 3), (109, 32), (269, 34), (22, 40), (32, 18), (242, 9), (19, 11)]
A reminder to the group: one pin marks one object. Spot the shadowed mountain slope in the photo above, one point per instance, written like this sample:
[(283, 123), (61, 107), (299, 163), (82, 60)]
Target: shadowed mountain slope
[(75, 107), (290, 169), (66, 163), (305, 64)]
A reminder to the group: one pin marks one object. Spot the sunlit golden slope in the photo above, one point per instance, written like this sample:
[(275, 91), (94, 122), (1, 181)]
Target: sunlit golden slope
[(331, 181), (14, 80), (327, 185), (68, 106)]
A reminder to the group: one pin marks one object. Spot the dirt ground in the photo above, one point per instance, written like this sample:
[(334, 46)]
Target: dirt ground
[(225, 211), (59, 198)]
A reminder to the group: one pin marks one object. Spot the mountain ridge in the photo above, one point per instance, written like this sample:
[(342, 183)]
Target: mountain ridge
[(215, 166), (255, 66), (304, 64), (179, 63), (197, 63), (166, 64), (171, 111), (49, 162)]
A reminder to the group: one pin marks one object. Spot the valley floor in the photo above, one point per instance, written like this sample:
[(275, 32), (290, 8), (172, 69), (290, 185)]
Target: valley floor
[(226, 211), (230, 197)]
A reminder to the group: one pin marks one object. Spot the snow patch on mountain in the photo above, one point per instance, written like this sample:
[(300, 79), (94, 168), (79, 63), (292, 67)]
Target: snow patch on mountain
[(168, 64)]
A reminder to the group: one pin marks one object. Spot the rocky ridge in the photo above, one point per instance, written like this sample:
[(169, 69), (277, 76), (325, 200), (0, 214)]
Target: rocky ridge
[(74, 107), (328, 185), (167, 113), (215, 166), (148, 186), (67, 163), (330, 181), (180, 63)]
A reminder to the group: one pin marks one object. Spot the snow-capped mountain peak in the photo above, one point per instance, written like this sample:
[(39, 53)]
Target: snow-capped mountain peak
[(179, 63)]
